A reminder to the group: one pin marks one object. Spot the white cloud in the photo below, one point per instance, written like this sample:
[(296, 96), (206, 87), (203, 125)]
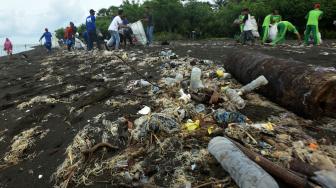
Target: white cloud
[(27, 19)]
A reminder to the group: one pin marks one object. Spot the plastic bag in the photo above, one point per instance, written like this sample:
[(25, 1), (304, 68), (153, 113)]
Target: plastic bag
[(139, 32), (273, 32)]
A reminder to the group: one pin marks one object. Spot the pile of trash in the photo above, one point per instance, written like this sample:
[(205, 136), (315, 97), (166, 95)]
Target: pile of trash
[(194, 121), (20, 144)]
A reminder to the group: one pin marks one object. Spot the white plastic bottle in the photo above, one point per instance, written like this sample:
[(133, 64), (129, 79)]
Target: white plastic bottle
[(235, 98), (195, 78), (260, 81)]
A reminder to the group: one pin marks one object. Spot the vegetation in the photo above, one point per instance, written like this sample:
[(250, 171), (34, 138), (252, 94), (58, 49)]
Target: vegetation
[(180, 17)]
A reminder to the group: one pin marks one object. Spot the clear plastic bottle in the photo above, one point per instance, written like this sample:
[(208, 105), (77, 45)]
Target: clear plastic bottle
[(195, 78), (235, 98), (245, 172)]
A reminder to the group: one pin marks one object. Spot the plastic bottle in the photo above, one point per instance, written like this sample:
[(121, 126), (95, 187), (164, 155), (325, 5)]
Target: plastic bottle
[(179, 77), (235, 98), (245, 172), (196, 82), (260, 81)]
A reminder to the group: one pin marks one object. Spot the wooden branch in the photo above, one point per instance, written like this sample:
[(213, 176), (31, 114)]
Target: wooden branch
[(97, 146), (285, 175)]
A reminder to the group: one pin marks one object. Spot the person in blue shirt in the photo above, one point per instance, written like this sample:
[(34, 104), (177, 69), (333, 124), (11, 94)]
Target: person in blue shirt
[(91, 30), (47, 37)]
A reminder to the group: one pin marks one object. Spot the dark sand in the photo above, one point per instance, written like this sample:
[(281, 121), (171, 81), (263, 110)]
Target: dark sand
[(20, 80)]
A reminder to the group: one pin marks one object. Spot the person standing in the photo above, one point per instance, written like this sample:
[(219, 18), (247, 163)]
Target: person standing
[(116, 24), (47, 37), (127, 32), (283, 27), (69, 36), (312, 24), (91, 29), (150, 26), (247, 34), (8, 47)]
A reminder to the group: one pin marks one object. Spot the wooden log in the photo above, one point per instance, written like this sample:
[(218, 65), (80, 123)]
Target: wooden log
[(307, 90)]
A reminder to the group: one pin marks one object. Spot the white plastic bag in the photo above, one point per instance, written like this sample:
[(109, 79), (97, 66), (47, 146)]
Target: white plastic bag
[(273, 32), (79, 44), (254, 27), (55, 43), (139, 32)]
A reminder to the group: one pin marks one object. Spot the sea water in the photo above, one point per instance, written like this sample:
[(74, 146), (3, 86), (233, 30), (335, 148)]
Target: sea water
[(17, 48)]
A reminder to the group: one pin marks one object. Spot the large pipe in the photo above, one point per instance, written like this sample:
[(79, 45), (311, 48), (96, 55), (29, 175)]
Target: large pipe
[(305, 89)]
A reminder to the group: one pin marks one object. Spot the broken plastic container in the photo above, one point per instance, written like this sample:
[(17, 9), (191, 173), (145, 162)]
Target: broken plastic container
[(235, 98), (196, 82), (255, 84), (245, 172)]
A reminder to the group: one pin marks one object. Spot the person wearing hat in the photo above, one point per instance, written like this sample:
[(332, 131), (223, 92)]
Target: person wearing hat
[(283, 27), (312, 24), (47, 37), (91, 29)]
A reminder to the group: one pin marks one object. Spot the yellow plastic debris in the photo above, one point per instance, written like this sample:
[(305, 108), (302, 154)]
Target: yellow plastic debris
[(191, 125), (210, 129), (220, 73)]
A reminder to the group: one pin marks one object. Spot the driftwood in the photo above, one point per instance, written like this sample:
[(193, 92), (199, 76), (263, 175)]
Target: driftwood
[(277, 171), (97, 146), (303, 168), (305, 89)]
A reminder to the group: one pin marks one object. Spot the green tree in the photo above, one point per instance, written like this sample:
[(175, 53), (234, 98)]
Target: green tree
[(60, 33)]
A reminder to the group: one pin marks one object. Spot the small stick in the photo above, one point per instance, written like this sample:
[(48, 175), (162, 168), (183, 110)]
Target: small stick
[(97, 146), (158, 141)]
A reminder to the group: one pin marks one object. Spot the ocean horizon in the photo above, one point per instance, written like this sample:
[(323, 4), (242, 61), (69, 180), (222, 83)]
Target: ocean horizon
[(18, 48)]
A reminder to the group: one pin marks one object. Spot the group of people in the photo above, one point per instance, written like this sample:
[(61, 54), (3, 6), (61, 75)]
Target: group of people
[(118, 30), (282, 27)]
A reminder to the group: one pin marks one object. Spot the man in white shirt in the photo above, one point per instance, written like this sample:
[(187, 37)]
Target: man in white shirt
[(114, 27), (247, 34)]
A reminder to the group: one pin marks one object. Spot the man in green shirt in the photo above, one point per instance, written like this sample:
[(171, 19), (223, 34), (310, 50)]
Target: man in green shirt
[(283, 27), (271, 18), (312, 25)]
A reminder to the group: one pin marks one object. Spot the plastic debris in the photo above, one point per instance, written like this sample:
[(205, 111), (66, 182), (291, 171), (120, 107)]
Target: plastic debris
[(195, 78), (145, 110), (184, 97), (200, 108), (192, 125), (327, 178), (244, 171), (255, 84), (223, 117), (234, 97)]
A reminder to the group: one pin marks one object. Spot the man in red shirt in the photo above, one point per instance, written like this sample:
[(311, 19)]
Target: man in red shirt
[(69, 35)]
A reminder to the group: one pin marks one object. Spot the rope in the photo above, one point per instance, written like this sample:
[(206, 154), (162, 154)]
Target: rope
[(135, 70)]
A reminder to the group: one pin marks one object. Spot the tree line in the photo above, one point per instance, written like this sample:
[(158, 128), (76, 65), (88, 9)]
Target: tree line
[(178, 18)]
